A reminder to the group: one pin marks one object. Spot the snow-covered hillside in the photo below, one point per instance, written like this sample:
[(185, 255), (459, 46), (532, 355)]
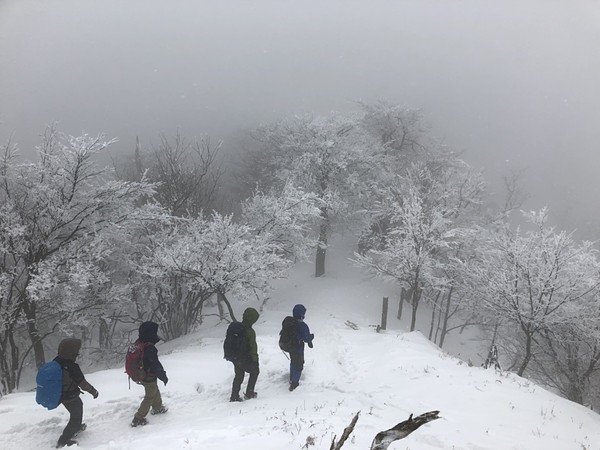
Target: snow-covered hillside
[(387, 376)]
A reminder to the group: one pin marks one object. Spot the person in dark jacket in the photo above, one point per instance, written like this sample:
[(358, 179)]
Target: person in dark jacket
[(148, 335), (297, 354), (250, 365), (72, 381)]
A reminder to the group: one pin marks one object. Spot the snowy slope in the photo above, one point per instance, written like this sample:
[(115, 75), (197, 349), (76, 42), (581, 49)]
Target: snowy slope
[(386, 376)]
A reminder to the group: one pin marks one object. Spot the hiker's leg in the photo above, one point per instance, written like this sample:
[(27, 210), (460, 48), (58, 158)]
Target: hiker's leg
[(237, 380), (75, 408), (254, 371), (150, 392), (296, 366), (156, 397)]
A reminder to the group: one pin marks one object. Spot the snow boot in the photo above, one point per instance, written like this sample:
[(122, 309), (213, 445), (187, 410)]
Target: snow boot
[(67, 443), (293, 386), (138, 422), (163, 409), (250, 395), (235, 398)]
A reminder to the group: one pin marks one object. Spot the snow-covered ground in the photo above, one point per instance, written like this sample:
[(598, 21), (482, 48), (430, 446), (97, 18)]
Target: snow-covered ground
[(387, 376)]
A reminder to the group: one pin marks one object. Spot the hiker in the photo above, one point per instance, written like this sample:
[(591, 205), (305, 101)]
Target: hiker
[(249, 363), (72, 381), (148, 335), (297, 353)]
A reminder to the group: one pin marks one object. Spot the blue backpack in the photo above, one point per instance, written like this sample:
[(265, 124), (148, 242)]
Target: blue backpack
[(49, 385)]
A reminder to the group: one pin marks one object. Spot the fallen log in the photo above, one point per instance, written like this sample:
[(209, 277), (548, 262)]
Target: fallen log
[(383, 439)]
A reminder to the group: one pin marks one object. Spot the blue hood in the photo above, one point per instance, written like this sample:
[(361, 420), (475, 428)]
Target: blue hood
[(299, 311)]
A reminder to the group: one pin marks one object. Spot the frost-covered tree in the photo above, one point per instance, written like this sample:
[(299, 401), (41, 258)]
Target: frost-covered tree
[(400, 132), (533, 280), (409, 256), (321, 155), (458, 191), (455, 304), (188, 177), (128, 296), (405, 148), (187, 174), (51, 209), (287, 218), (184, 266), (567, 358), (567, 355), (427, 214), (216, 255)]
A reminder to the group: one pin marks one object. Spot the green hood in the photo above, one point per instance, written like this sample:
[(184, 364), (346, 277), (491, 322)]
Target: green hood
[(69, 348), (250, 316)]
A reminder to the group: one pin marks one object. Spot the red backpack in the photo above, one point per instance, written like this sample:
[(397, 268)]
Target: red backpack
[(134, 361)]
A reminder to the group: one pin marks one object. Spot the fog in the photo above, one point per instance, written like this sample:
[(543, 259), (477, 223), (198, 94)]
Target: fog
[(513, 84)]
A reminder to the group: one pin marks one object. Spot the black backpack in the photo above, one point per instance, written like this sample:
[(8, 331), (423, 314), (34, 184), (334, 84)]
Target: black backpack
[(288, 336), (235, 347)]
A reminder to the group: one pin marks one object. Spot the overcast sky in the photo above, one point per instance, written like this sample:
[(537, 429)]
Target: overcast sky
[(513, 83)]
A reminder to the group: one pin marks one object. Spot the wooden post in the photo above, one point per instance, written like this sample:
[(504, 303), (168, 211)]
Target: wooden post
[(384, 313)]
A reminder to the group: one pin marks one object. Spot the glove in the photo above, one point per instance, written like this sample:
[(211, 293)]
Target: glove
[(310, 344), (94, 393), (165, 380), (312, 336)]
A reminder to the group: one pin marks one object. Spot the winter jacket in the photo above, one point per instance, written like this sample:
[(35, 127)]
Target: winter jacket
[(148, 334), (304, 334), (249, 318), (73, 378)]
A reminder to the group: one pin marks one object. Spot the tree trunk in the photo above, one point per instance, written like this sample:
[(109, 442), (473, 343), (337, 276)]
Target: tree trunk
[(575, 387), (9, 361), (220, 306), (432, 322), (402, 297), (322, 244), (103, 339), (432, 325), (34, 335), (528, 344), (416, 296), (229, 308), (575, 391), (446, 316)]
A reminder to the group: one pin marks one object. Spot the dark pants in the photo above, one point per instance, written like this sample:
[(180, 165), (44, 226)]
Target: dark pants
[(296, 366), (240, 371), (75, 408)]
